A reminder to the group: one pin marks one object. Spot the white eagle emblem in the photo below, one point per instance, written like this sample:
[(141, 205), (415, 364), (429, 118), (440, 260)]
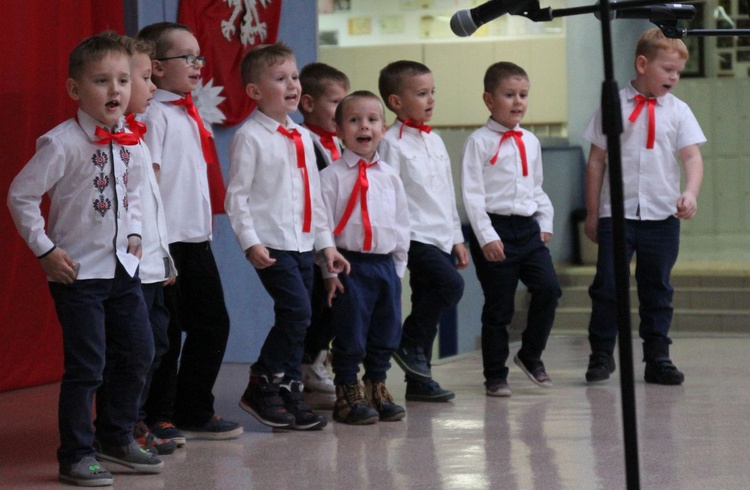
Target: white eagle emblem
[(251, 26)]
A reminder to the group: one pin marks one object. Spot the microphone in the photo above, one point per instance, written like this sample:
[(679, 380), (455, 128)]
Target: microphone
[(657, 14), (465, 22)]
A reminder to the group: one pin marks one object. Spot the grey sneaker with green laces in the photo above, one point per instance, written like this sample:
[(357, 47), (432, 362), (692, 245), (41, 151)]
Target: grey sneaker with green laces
[(86, 473), (131, 456)]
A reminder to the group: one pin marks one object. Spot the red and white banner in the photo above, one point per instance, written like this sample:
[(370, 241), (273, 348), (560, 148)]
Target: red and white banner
[(226, 30)]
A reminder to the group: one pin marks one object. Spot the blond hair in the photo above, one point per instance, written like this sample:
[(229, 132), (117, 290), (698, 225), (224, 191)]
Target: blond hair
[(261, 57), (653, 41)]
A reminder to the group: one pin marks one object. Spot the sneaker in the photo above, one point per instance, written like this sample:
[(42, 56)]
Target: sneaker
[(498, 388), (315, 375), (352, 407), (131, 456), (166, 431), (663, 372), (426, 391), (304, 418), (381, 400), (601, 365), (216, 429), (148, 441), (85, 473), (261, 400), (535, 371), (414, 362)]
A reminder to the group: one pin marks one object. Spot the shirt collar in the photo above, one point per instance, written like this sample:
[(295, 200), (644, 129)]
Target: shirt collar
[(272, 124), (631, 92), (352, 159), (88, 124), (496, 126), (166, 96)]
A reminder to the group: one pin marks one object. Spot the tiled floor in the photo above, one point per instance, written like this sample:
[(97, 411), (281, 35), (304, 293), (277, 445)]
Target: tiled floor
[(694, 436)]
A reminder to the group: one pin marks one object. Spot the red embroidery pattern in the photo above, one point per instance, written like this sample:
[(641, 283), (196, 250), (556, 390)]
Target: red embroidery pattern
[(99, 159), (102, 205)]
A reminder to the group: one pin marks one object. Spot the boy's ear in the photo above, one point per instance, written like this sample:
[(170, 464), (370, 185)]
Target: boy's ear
[(252, 91), (71, 86), (487, 98), (157, 68), (394, 101), (640, 64), (306, 103)]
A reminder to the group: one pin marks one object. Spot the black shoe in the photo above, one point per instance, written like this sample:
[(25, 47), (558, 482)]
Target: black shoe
[(216, 429), (601, 365), (534, 370), (352, 407), (261, 400), (304, 418), (426, 391), (381, 400), (663, 372), (414, 362)]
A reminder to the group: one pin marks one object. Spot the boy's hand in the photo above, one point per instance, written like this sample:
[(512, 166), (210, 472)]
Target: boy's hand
[(332, 285), (59, 266), (335, 262), (462, 256), (590, 226), (134, 246), (687, 206), (494, 251), (259, 257), (546, 237), (169, 281)]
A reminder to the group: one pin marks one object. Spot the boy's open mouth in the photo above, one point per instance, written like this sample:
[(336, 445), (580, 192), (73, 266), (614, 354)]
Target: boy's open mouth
[(112, 104), (364, 139)]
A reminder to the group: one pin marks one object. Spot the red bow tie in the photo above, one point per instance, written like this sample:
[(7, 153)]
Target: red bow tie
[(642, 101), (517, 136), (413, 124), (136, 127), (359, 191), (105, 137), (216, 187), (300, 149), (326, 139)]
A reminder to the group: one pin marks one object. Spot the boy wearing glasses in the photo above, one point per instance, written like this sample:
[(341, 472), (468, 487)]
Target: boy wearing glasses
[(185, 162)]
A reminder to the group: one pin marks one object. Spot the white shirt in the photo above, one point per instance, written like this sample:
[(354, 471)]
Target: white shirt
[(502, 188), (650, 177), (156, 263), (424, 166), (266, 191), (386, 206), (174, 142), (94, 198)]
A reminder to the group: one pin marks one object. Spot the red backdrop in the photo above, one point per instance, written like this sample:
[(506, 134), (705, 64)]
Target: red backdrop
[(36, 37)]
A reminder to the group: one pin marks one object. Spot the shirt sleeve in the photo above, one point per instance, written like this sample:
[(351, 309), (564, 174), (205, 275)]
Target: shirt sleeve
[(545, 212), (40, 174), (242, 166), (401, 252), (473, 191)]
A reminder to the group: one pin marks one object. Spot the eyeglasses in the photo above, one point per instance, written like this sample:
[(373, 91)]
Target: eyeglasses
[(190, 59)]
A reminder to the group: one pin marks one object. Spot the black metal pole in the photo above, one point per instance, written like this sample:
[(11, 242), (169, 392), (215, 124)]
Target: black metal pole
[(612, 127)]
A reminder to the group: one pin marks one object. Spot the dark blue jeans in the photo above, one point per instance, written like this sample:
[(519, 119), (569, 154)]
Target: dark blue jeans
[(656, 245), (436, 286), (289, 283), (527, 259), (106, 335), (158, 315), (366, 318), (320, 333)]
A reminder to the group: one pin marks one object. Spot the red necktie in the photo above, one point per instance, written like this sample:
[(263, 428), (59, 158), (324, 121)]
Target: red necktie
[(216, 187), (359, 191), (412, 124), (136, 127), (297, 139), (641, 100), (517, 136), (105, 137), (326, 139)]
